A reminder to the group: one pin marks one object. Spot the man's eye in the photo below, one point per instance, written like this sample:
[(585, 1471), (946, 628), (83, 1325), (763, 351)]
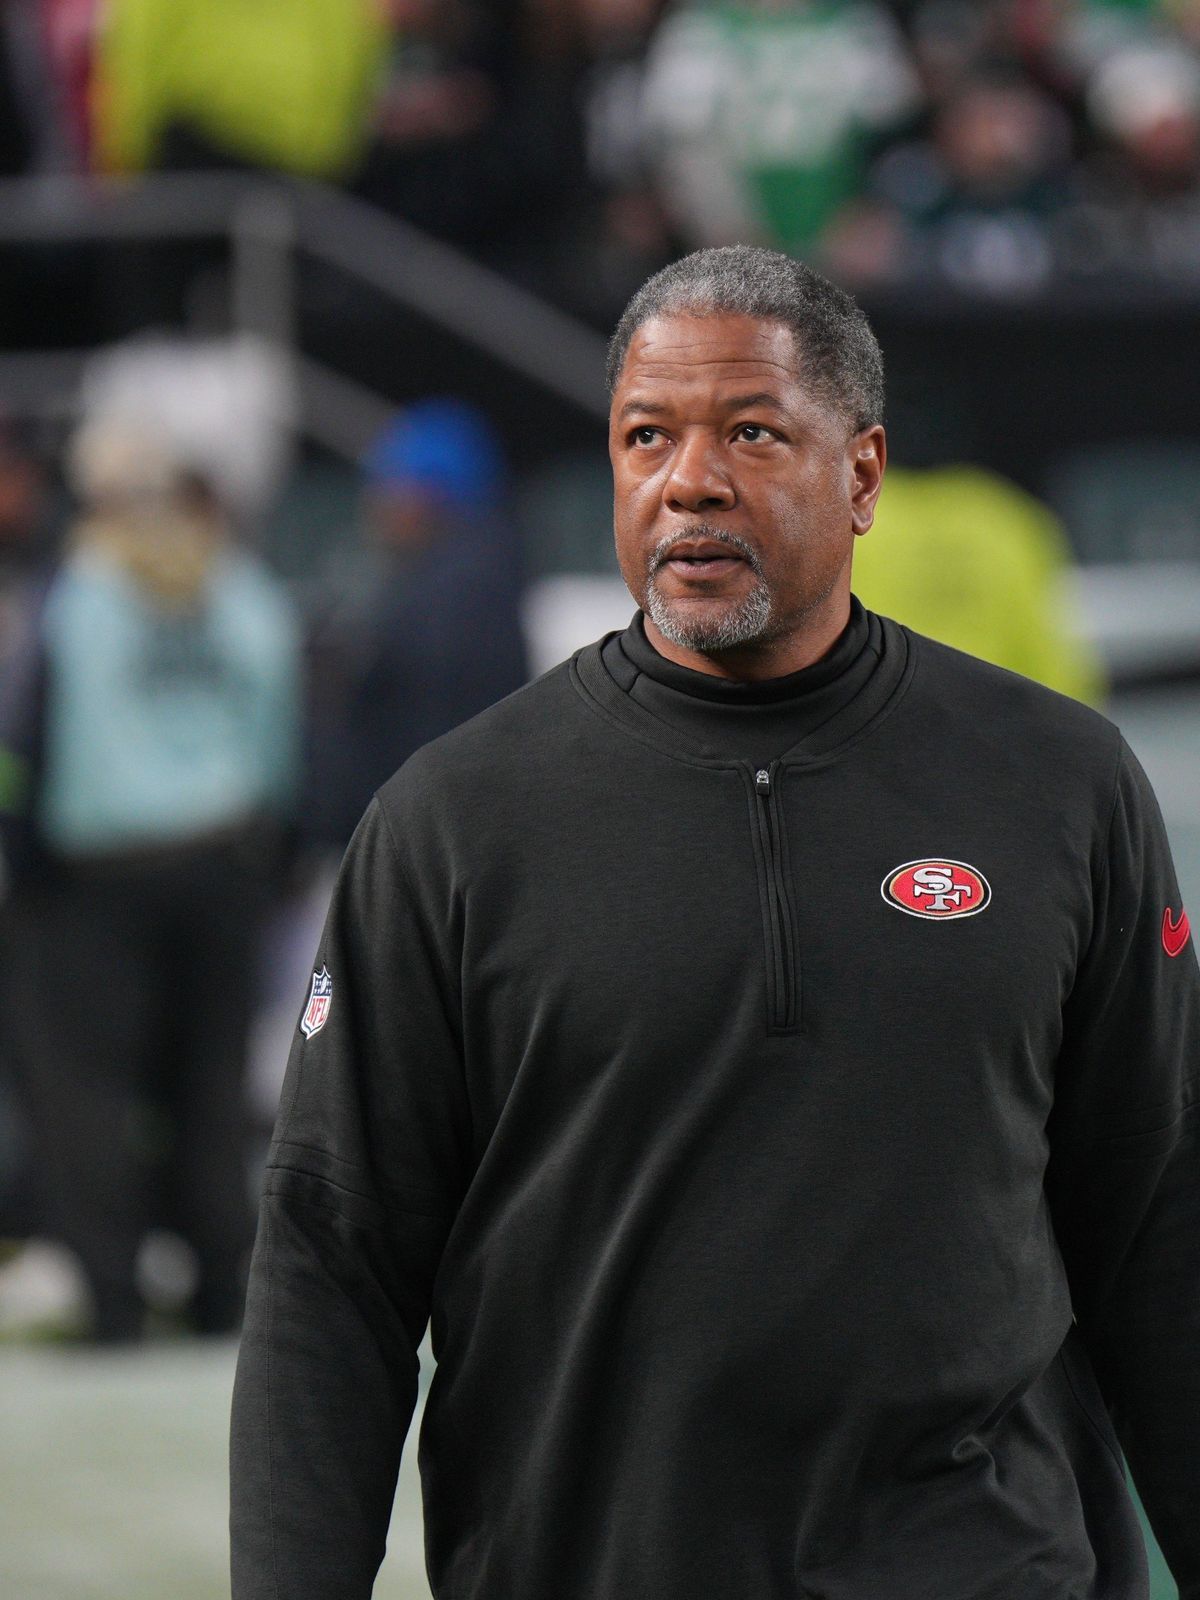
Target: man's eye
[(754, 432), (645, 435)]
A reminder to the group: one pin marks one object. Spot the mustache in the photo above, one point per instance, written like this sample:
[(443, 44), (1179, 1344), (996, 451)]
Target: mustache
[(661, 553)]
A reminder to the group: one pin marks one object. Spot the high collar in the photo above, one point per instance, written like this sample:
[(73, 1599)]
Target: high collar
[(696, 716), (850, 643)]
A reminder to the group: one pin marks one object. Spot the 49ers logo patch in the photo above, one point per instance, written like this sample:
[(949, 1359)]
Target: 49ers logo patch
[(936, 888)]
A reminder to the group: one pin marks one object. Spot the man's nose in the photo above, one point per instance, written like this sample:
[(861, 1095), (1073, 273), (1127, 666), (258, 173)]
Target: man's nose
[(698, 479)]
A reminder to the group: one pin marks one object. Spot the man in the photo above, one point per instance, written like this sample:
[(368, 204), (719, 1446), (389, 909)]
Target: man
[(762, 1046), (422, 625), (153, 723), (761, 118)]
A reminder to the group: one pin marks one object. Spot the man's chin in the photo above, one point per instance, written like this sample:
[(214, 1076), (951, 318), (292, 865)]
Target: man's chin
[(710, 625)]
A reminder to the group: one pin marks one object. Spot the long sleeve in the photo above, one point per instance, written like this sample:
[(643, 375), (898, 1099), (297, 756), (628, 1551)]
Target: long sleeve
[(1125, 1166), (363, 1181)]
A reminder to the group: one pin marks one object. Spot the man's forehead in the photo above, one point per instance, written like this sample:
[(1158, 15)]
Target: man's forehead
[(721, 362), (703, 343)]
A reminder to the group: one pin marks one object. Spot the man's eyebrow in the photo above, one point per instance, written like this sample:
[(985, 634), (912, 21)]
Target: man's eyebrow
[(647, 408), (748, 402), (737, 402)]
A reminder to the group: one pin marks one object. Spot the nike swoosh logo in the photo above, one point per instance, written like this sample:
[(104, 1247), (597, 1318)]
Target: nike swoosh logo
[(1175, 934)]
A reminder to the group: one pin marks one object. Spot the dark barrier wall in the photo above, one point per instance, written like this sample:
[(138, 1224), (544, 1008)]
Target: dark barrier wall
[(1017, 386)]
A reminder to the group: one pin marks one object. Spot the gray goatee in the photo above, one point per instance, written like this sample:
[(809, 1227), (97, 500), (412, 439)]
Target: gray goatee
[(739, 622)]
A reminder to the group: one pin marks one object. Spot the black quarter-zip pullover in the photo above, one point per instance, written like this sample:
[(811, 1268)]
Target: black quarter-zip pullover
[(797, 1159)]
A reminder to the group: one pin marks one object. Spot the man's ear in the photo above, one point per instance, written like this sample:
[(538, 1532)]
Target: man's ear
[(868, 458)]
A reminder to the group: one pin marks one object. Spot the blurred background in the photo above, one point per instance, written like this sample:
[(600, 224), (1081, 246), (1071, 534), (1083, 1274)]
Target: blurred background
[(303, 307)]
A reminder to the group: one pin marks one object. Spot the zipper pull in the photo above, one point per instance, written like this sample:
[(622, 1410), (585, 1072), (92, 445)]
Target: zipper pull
[(762, 782)]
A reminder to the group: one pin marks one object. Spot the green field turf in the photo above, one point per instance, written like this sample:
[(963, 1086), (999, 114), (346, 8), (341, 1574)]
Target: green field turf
[(112, 1479)]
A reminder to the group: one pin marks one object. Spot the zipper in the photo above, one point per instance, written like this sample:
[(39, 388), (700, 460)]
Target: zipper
[(781, 939)]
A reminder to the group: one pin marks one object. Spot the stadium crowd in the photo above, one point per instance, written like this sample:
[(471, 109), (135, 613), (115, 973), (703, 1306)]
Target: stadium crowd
[(992, 145)]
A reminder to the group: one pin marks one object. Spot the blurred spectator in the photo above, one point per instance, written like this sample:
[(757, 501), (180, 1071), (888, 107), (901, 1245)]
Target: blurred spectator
[(46, 287), (45, 54), (477, 131), (971, 560), (1141, 183), (155, 714), (432, 156), (1072, 38), (280, 84), (420, 627), (25, 530), (25, 537), (68, 30), (974, 200), (226, 406), (45, 67), (764, 114), (1146, 102), (627, 233), (16, 135), (1185, 17)]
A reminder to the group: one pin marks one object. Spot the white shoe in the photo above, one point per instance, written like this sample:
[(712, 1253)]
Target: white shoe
[(42, 1290)]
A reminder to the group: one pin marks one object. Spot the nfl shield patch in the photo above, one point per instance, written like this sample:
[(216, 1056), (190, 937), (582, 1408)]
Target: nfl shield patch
[(316, 1012)]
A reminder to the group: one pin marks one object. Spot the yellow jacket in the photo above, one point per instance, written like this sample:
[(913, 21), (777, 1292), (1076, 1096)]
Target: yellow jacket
[(278, 83), (967, 558)]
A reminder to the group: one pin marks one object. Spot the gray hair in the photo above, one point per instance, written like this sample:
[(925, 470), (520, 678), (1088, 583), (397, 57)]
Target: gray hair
[(839, 353)]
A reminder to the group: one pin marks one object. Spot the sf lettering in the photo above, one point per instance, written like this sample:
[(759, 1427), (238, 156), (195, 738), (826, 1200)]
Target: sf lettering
[(941, 891)]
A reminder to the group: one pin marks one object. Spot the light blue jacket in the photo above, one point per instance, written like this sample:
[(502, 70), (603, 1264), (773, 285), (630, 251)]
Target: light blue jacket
[(163, 725)]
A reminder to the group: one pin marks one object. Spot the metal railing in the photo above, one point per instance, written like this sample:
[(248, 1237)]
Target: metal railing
[(269, 225)]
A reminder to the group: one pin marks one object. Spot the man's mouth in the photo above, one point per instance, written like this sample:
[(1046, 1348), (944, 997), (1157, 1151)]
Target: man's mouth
[(696, 559)]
